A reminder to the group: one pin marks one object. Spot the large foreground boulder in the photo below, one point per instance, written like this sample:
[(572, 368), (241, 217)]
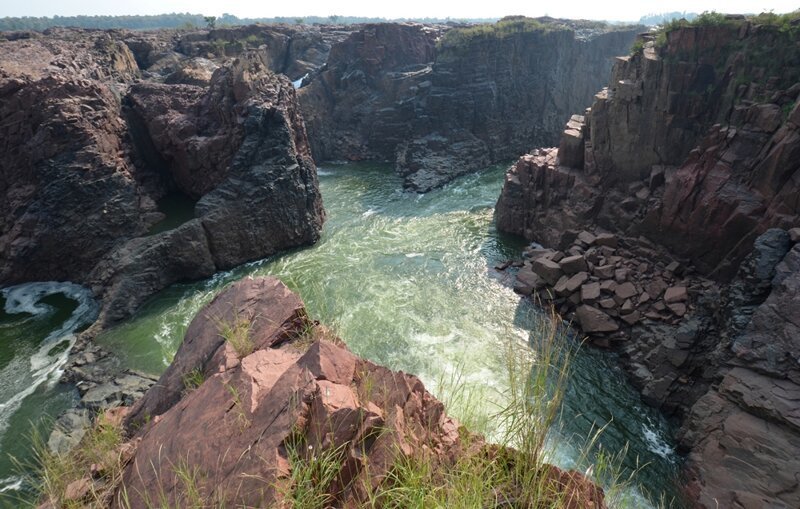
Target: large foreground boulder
[(256, 391)]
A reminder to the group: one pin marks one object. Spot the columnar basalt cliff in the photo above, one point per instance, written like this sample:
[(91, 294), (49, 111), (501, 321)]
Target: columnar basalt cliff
[(690, 158), (443, 102), (87, 153)]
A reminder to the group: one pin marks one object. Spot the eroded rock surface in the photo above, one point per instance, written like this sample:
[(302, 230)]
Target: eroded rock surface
[(89, 148), (292, 396), (692, 167)]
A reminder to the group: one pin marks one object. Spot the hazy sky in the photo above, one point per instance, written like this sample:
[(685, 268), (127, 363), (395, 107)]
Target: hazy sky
[(594, 9)]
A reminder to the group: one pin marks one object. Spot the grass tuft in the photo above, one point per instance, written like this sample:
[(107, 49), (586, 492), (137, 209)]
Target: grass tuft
[(237, 334)]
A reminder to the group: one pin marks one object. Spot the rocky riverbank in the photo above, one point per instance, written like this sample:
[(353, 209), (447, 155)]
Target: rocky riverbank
[(688, 162), (274, 396)]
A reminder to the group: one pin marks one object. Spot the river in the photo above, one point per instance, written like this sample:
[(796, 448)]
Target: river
[(407, 281)]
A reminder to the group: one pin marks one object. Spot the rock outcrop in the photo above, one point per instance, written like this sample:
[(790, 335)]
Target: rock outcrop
[(693, 145), (256, 390), (690, 157), (440, 103), (87, 153)]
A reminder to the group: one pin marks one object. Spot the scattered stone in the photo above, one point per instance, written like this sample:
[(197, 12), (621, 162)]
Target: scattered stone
[(587, 238), (557, 256), (607, 240), (78, 490), (643, 298), (576, 281), (632, 318), (594, 320), (608, 285), (547, 270), (627, 307), (656, 177), (607, 303), (655, 287), (678, 308), (625, 291), (527, 281), (561, 287), (590, 292), (621, 275), (503, 266), (653, 315), (573, 264), (794, 234), (659, 306), (604, 271), (674, 268), (676, 294), (643, 193)]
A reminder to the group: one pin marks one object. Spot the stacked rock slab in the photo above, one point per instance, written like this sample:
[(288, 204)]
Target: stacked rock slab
[(687, 161), (297, 393)]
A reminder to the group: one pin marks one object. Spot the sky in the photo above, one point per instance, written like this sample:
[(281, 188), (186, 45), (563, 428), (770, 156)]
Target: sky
[(592, 9)]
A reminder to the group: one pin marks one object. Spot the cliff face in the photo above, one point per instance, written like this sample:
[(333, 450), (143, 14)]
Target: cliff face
[(707, 114), (441, 109), (691, 156), (87, 154)]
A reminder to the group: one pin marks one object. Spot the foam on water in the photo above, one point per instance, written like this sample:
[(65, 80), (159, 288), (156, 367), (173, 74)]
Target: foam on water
[(299, 82), (47, 363), (10, 484), (654, 437)]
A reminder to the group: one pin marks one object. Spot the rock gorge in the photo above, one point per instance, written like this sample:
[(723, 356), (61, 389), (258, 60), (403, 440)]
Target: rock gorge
[(440, 102), (667, 216), (690, 160)]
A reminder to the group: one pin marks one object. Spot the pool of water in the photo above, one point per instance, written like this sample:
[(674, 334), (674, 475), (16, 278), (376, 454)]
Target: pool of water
[(177, 209)]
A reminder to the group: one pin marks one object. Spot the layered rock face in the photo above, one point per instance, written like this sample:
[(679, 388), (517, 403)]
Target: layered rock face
[(295, 394), (443, 103), (690, 156), (705, 123), (62, 147), (86, 154)]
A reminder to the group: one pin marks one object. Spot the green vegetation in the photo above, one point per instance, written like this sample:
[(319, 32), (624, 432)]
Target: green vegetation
[(191, 21), (506, 27), (63, 479), (193, 379), (313, 472), (637, 46), (789, 22), (237, 334)]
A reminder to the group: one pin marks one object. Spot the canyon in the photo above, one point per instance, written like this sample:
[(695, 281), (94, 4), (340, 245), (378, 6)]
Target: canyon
[(663, 219)]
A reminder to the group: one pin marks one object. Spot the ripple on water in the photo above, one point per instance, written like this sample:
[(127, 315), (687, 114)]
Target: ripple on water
[(406, 280)]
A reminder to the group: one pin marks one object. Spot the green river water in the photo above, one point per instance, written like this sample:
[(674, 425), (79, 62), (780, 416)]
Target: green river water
[(407, 281)]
